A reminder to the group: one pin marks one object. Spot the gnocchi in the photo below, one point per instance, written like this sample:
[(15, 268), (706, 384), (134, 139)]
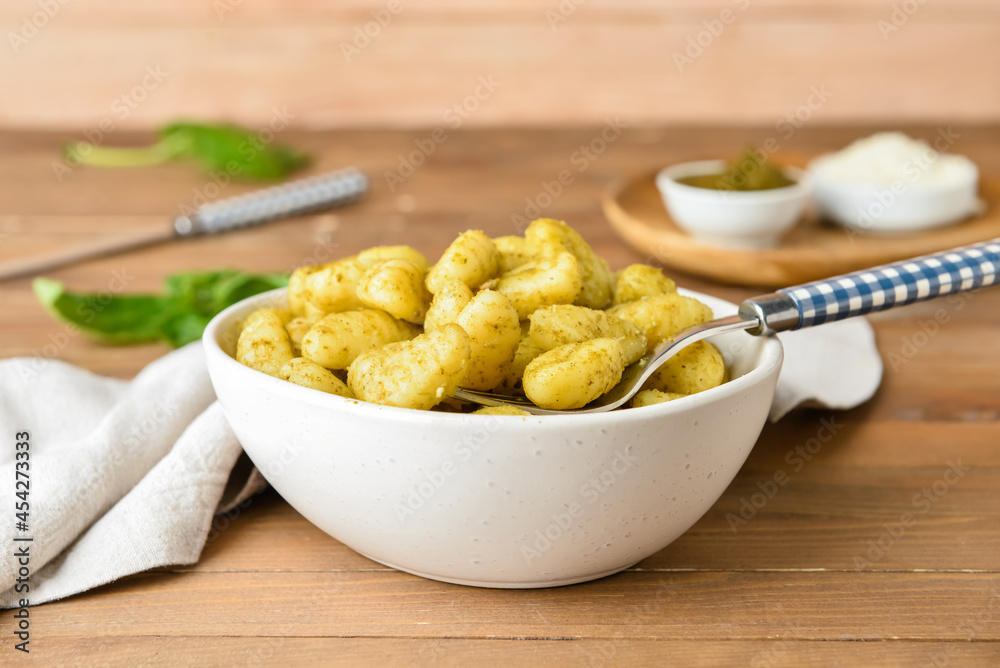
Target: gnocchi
[(397, 287), (640, 280), (539, 315), (597, 281), (264, 343), (309, 374), (419, 373), (337, 339), (662, 316), (547, 280), (494, 333), (650, 397), (472, 258), (573, 375), (696, 368), (554, 326), (448, 302)]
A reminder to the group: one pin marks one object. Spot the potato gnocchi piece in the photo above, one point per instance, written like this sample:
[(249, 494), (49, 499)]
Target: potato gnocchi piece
[(412, 374), (334, 287), (548, 235), (309, 374), (650, 397), (553, 279), (472, 258), (514, 251), (526, 351), (264, 344), (662, 316), (297, 328), (396, 287), (336, 339), (297, 289), (573, 375), (381, 253), (554, 326), (694, 369), (494, 333), (641, 280), (501, 410), (265, 313), (448, 302)]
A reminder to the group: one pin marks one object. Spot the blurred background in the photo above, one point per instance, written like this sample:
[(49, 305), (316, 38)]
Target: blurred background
[(71, 64), (463, 115)]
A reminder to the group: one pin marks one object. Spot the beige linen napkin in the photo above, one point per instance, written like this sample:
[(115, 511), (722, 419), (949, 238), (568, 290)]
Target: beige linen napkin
[(127, 476), (124, 476)]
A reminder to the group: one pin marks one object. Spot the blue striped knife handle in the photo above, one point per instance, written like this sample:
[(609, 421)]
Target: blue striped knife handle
[(881, 288)]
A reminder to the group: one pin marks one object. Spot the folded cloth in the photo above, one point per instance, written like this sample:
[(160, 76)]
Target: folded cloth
[(127, 476), (834, 366)]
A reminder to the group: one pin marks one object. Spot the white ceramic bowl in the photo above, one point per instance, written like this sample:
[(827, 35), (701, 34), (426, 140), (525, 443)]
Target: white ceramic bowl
[(901, 206), (730, 218), (491, 501)]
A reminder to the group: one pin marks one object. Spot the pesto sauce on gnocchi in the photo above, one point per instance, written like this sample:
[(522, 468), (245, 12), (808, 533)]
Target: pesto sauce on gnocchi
[(540, 315)]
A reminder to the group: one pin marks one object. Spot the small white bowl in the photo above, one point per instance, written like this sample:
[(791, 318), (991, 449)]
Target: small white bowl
[(900, 206), (496, 501), (731, 218)]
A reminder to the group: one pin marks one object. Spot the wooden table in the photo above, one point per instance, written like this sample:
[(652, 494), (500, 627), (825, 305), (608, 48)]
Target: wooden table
[(824, 573)]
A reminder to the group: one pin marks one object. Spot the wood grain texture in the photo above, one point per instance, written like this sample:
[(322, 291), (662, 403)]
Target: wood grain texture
[(815, 574), (241, 59), (778, 652)]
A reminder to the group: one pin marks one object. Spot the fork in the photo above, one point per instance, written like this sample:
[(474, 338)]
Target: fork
[(827, 300)]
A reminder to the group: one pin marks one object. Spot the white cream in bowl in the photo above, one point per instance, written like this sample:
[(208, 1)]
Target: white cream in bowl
[(891, 183)]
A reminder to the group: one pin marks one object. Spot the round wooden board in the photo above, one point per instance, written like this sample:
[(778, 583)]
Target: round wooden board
[(812, 250)]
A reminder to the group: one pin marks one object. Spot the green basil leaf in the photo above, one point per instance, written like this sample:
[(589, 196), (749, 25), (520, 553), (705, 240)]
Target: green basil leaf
[(115, 319), (239, 286), (177, 318), (184, 328), (230, 149), (234, 150)]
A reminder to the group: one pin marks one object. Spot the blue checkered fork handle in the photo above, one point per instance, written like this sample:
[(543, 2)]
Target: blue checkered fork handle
[(890, 285)]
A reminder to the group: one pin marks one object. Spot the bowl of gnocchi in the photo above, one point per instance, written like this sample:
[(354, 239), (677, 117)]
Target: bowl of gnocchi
[(341, 390)]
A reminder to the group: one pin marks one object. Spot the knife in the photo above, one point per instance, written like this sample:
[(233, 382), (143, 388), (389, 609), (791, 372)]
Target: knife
[(290, 199)]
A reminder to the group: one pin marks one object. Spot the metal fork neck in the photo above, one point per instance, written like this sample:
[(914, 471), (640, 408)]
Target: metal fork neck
[(776, 312)]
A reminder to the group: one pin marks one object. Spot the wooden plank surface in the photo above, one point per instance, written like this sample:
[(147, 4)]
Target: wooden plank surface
[(575, 62), (817, 574)]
